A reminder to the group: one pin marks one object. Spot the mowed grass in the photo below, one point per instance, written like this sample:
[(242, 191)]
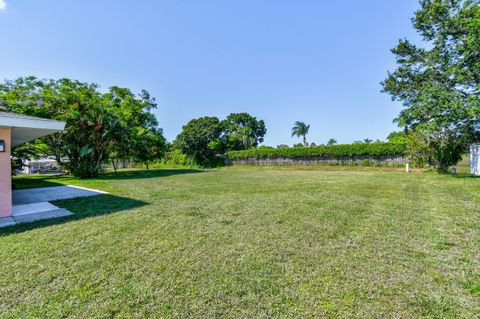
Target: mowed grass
[(251, 243)]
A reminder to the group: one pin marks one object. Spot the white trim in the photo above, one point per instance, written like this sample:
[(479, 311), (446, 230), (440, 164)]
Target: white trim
[(30, 122), (88, 189)]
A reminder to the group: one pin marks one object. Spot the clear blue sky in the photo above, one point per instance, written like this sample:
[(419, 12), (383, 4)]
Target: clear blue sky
[(315, 61)]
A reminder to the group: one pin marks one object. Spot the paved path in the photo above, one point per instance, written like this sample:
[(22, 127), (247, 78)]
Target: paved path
[(32, 204), (48, 194)]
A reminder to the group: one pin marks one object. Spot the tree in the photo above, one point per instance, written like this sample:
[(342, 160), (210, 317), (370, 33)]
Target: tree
[(88, 138), (150, 145), (301, 129), (140, 133), (367, 141), (282, 146), (200, 138), (97, 125), (332, 141), (439, 148), (439, 84), (242, 131)]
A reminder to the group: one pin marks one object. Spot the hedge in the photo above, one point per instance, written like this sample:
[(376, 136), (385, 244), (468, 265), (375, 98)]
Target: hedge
[(341, 150)]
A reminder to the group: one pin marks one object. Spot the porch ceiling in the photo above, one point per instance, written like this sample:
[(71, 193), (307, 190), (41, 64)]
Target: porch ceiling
[(28, 128)]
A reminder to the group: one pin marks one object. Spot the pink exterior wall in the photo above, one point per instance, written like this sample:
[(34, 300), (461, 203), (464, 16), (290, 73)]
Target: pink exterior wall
[(5, 175)]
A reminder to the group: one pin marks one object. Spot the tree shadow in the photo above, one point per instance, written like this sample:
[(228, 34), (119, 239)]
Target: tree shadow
[(82, 207), (36, 181), (140, 174), (465, 176)]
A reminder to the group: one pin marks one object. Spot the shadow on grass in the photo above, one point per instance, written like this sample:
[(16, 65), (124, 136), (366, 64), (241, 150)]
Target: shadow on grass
[(82, 207), (464, 175), (35, 181), (139, 174)]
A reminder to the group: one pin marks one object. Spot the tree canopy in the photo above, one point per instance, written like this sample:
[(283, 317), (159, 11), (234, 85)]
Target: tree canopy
[(439, 83), (242, 131), (200, 138), (97, 124), (206, 139)]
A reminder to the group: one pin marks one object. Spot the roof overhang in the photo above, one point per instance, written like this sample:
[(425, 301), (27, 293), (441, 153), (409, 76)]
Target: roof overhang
[(28, 128)]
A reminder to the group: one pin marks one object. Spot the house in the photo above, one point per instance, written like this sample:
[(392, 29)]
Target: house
[(16, 129)]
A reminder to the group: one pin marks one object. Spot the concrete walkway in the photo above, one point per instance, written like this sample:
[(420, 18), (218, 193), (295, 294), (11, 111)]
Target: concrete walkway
[(31, 205)]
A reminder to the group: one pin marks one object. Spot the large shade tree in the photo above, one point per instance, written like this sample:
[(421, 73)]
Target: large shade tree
[(201, 139), (439, 83)]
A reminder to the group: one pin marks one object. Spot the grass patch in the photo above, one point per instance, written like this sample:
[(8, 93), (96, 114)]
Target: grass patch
[(238, 242)]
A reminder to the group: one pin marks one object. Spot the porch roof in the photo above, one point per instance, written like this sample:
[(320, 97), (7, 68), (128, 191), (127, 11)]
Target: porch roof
[(27, 128)]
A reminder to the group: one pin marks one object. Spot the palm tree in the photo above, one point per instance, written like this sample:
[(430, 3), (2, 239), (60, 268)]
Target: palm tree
[(332, 141), (301, 129)]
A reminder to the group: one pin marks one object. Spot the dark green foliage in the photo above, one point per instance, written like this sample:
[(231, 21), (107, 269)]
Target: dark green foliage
[(439, 84), (242, 131), (200, 138), (375, 149), (88, 139), (206, 139), (98, 126)]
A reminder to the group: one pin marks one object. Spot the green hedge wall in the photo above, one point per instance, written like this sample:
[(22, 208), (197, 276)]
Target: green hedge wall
[(341, 150)]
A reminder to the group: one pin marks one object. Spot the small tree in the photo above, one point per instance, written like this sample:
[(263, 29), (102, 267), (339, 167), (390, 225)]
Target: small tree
[(441, 149), (150, 146), (300, 129)]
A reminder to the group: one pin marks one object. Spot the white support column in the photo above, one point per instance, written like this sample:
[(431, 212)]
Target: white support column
[(475, 159)]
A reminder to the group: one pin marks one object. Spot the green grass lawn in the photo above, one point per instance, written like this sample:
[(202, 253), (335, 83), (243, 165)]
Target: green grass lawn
[(250, 243)]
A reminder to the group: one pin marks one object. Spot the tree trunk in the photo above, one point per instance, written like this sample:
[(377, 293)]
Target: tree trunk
[(114, 167), (146, 164), (305, 140)]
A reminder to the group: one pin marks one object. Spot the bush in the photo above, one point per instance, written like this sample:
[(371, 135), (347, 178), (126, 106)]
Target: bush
[(176, 158), (341, 150)]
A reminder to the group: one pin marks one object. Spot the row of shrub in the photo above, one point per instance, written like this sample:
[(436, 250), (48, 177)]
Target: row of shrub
[(340, 150)]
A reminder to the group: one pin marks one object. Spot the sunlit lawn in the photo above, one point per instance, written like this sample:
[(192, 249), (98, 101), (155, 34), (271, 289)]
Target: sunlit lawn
[(249, 243)]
